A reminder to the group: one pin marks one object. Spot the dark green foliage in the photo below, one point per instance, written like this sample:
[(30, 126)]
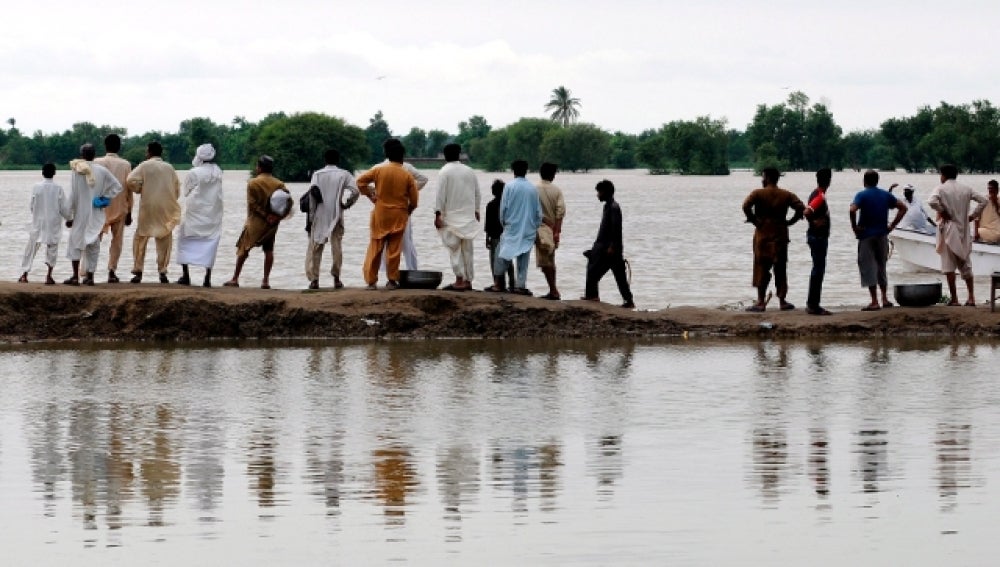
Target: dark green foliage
[(415, 142), (699, 147), (297, 144), (801, 137), (577, 147), (376, 134)]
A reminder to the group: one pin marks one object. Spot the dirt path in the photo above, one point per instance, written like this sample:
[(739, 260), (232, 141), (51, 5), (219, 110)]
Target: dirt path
[(35, 312)]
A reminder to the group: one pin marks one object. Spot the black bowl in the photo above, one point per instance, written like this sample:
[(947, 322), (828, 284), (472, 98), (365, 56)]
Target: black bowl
[(419, 279), (917, 295)]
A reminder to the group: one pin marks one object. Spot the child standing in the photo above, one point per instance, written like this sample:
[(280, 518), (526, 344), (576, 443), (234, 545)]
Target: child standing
[(493, 229), (48, 209)]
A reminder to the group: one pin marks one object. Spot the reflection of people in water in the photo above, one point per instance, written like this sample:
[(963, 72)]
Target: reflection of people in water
[(819, 467), (873, 457), (395, 479), (954, 448), (159, 469), (458, 475), (261, 467)]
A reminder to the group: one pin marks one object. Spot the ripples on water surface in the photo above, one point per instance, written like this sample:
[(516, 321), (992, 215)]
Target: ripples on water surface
[(501, 453)]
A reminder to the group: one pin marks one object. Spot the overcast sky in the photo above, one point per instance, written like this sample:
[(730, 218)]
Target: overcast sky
[(633, 64)]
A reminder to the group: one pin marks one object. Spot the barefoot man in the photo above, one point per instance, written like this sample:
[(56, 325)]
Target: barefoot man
[(766, 209), (951, 200), (456, 215), (261, 225)]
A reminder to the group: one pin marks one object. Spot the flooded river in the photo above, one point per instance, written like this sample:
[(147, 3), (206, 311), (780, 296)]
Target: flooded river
[(685, 237), (501, 453)]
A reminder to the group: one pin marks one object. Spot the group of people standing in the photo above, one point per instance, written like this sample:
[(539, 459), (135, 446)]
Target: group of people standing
[(522, 217), (767, 209), (100, 202)]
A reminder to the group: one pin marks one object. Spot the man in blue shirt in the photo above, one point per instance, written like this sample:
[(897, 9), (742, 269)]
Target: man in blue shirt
[(869, 211)]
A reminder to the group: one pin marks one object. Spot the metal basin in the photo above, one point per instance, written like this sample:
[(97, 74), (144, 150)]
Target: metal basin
[(419, 279), (917, 295)]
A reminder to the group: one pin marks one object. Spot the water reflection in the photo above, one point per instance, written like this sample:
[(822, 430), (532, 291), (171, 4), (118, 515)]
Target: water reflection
[(395, 479), (578, 445), (459, 480)]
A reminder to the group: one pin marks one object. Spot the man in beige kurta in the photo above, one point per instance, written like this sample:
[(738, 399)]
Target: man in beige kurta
[(988, 225), (119, 212), (159, 209), (951, 200), (261, 225), (553, 211)]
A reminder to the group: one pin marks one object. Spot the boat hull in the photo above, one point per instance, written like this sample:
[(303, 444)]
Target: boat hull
[(917, 250)]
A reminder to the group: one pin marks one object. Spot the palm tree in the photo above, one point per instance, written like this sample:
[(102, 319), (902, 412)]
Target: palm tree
[(564, 107)]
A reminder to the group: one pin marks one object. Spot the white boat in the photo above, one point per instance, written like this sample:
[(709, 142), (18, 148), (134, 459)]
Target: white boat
[(917, 250)]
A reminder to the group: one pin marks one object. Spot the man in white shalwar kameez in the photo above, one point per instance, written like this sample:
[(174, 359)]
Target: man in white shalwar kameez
[(409, 248), (48, 209), (327, 188), (201, 222), (92, 187), (456, 215), (951, 200), (521, 215)]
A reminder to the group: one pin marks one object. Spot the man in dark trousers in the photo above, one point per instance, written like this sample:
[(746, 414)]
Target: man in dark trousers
[(818, 237), (606, 253)]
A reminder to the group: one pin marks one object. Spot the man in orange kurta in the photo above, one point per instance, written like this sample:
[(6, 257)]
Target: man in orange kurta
[(395, 197)]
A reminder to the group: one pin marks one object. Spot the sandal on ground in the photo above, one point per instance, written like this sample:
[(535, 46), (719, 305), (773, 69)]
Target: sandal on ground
[(787, 306), (871, 308), (970, 304), (888, 304), (817, 311), (628, 305), (954, 304), (495, 289), (265, 286), (231, 283), (585, 298), (453, 287), (522, 291), (551, 296), (50, 281), (371, 287), (756, 309)]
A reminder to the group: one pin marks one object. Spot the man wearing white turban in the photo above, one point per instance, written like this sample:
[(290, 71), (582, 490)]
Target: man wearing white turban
[(200, 230)]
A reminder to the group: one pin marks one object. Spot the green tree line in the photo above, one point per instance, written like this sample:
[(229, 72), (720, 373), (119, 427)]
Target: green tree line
[(793, 135)]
